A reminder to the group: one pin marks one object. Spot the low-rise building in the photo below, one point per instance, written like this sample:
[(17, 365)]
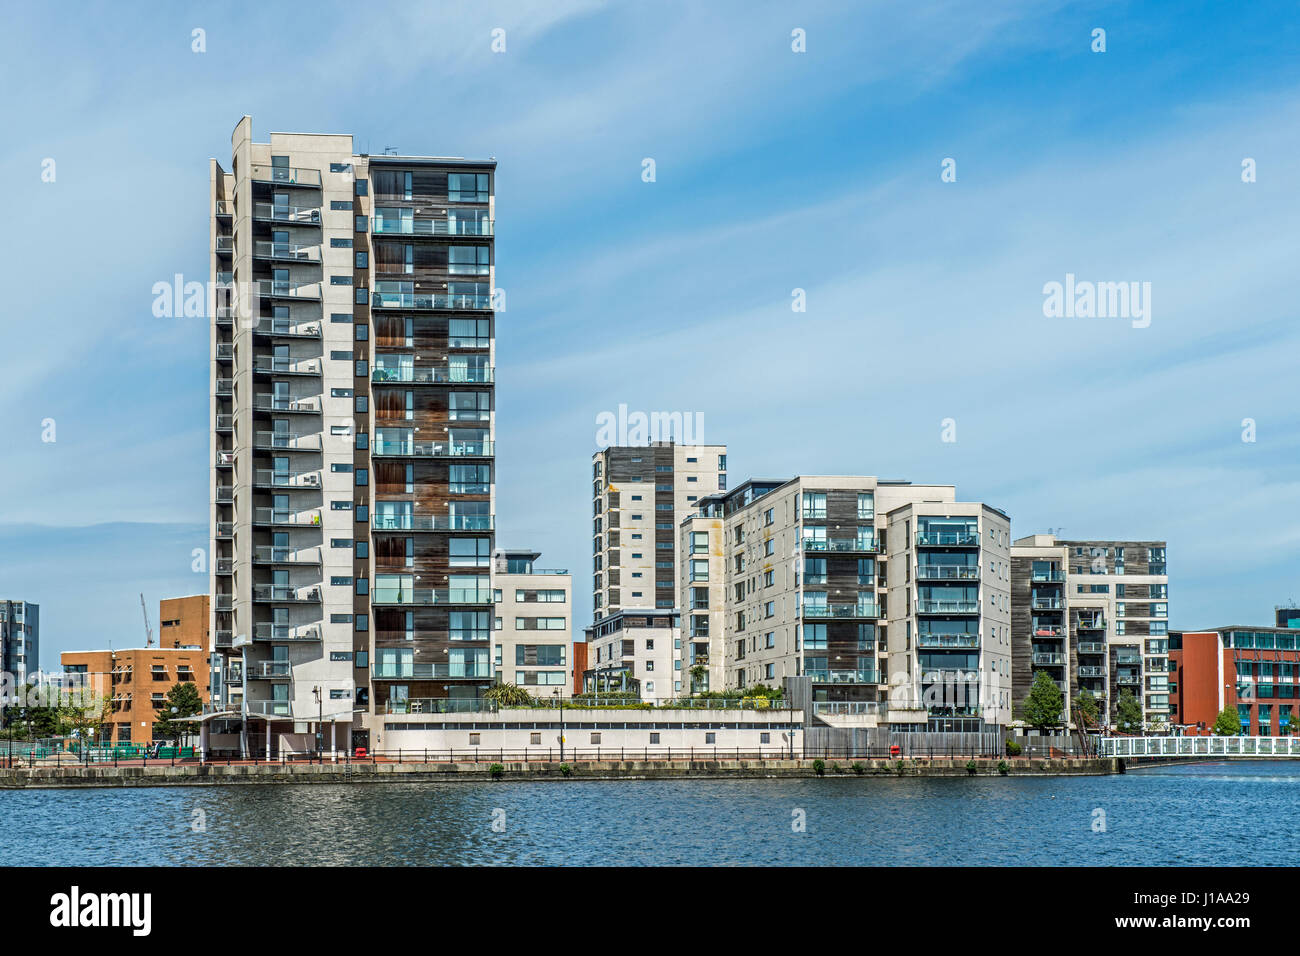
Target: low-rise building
[(1253, 668), (533, 628), (137, 681), (636, 651)]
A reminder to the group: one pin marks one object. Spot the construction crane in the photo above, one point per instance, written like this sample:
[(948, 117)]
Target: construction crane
[(148, 631)]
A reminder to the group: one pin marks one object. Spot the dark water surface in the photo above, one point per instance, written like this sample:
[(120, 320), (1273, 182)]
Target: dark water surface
[(1234, 813)]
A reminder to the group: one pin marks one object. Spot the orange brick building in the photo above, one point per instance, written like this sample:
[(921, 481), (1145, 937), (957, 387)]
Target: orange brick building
[(138, 680), (183, 621)]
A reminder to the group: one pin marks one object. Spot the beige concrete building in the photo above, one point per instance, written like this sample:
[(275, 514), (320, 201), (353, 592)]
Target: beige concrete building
[(639, 495), (1093, 614), (532, 643), (353, 484), (876, 590), (637, 650)]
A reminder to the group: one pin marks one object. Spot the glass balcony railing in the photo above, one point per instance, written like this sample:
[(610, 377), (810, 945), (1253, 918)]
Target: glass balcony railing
[(962, 641), (852, 676), (407, 670), (947, 539), (286, 632), (859, 610), (404, 522), (296, 252), (947, 572), (281, 289), (455, 375), (271, 554), (1092, 647), (388, 226), (1045, 658), (282, 403), (431, 300), (270, 670), (1091, 670), (430, 596), (273, 326), (947, 607), (1047, 604), (1047, 577), (269, 478), (286, 365), (433, 449), (279, 517), (866, 545), (1092, 623), (278, 441), (284, 175), (441, 705), (291, 215)]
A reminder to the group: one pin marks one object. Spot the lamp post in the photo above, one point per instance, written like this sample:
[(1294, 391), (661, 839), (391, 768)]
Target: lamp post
[(556, 694), (320, 718)]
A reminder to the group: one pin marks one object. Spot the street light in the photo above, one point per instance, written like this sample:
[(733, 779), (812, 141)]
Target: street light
[(320, 718), (556, 694)]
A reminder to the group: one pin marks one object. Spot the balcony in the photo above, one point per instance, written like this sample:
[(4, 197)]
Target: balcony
[(947, 607), (430, 227), (1055, 660), (270, 670), (432, 376), (271, 554), (285, 594), (863, 675), (1047, 577), (1097, 623), (406, 670), (842, 611), (440, 705), (287, 328), (225, 352), (1091, 670), (285, 365), (275, 441), (277, 518), (431, 596), (224, 245), (225, 387), (1128, 659), (284, 175), (225, 531), (859, 545), (225, 423), (271, 708), (286, 252), (291, 406), (431, 300), (223, 602), (224, 208), (1130, 680), (1047, 630), (403, 522), (278, 633), (1092, 647), (947, 539), (947, 572), (1047, 604), (289, 215), (224, 566), (433, 449), (225, 459), (956, 641), (280, 289), (286, 481)]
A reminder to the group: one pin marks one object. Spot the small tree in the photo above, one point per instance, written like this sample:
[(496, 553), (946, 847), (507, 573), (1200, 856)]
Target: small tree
[(1043, 706), (183, 700), (1085, 709), (84, 713), (1128, 713), (1228, 723), (509, 695)]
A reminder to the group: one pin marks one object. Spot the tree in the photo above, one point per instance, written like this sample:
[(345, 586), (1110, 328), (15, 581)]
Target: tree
[(183, 700), (1085, 709), (85, 712), (1128, 713), (1228, 723), (1042, 708)]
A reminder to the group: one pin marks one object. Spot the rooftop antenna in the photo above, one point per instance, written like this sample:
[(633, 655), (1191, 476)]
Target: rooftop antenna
[(390, 150), (148, 631)]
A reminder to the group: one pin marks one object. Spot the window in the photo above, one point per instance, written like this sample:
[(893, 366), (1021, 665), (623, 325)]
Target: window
[(359, 222), (340, 203), (362, 260), (337, 243), (814, 505), (340, 280), (362, 187)]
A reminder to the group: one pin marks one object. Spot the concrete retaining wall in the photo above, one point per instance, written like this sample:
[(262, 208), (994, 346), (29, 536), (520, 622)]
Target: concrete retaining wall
[(215, 774)]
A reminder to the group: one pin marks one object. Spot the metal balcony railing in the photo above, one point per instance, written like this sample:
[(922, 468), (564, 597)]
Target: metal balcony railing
[(433, 449), (432, 376), (405, 522)]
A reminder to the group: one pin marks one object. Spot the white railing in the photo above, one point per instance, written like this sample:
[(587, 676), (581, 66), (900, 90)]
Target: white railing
[(1200, 747)]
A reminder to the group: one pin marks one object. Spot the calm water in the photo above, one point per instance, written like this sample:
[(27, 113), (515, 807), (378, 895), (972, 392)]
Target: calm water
[(1225, 813)]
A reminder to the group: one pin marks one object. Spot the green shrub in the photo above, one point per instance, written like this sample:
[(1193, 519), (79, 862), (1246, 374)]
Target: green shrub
[(1013, 748), (859, 768), (566, 770), (971, 766), (819, 767), (835, 768), (899, 767), (1003, 768), (496, 770)]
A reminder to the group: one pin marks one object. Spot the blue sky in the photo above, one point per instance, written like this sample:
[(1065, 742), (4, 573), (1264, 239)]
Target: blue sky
[(774, 170)]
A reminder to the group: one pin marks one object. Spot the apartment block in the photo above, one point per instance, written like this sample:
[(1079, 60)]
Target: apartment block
[(639, 495), (533, 629), (185, 621), (137, 680), (872, 588), (1248, 667), (353, 436), (636, 651), (1092, 614), (20, 641)]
